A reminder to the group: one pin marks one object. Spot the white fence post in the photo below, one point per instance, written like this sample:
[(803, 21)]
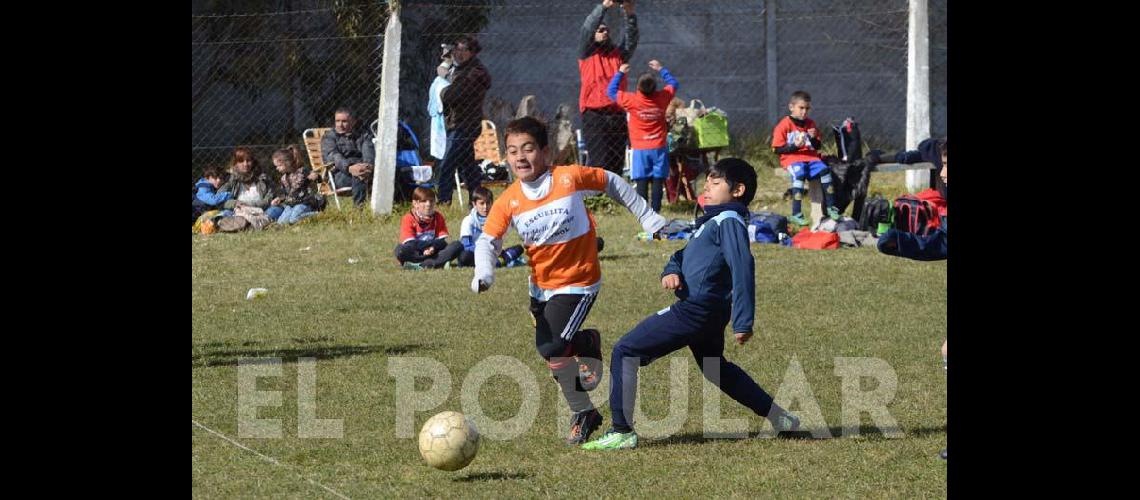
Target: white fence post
[(773, 82), (384, 172), (917, 88)]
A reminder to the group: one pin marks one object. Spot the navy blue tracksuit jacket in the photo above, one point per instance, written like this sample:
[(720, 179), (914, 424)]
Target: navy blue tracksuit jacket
[(717, 285)]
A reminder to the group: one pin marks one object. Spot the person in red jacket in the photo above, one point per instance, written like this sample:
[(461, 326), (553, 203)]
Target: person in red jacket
[(603, 121), (797, 141)]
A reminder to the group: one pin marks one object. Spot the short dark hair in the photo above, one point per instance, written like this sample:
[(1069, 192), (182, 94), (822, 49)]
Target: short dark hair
[(736, 171), (647, 84), (942, 146), (214, 172), (344, 109), (482, 193), (800, 95), (528, 125), (471, 42)]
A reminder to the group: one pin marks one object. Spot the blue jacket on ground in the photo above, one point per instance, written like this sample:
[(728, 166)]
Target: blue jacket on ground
[(717, 265), (208, 195)]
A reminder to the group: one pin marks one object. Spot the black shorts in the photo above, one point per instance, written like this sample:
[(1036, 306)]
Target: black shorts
[(557, 320)]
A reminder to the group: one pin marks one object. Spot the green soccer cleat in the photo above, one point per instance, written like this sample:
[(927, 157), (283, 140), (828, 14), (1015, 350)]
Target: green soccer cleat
[(413, 266), (613, 440), (833, 213), (798, 219)]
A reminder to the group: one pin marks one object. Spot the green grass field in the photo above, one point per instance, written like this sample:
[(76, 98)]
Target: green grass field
[(811, 308)]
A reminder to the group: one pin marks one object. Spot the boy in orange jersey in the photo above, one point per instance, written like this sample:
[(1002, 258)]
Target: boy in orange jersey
[(545, 205)]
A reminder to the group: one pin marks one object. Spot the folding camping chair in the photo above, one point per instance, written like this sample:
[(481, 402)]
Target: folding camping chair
[(327, 185), (487, 149)]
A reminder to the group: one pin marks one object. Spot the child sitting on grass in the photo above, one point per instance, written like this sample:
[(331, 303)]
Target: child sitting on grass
[(423, 235)]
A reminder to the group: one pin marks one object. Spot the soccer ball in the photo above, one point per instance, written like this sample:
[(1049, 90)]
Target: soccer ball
[(449, 441)]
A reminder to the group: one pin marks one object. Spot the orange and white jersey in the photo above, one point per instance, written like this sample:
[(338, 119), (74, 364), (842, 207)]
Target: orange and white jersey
[(550, 217)]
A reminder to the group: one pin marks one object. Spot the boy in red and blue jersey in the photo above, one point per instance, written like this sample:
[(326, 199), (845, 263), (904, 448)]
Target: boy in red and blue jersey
[(797, 141), (648, 129)]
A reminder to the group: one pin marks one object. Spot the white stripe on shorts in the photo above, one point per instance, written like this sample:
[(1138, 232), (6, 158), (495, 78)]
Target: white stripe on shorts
[(578, 316)]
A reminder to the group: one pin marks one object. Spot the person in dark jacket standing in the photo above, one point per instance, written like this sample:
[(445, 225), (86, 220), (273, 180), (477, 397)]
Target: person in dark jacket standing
[(463, 111), (603, 121)]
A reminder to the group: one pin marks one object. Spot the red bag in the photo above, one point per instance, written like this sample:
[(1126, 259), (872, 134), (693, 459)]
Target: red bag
[(935, 198), (815, 240), (915, 215)]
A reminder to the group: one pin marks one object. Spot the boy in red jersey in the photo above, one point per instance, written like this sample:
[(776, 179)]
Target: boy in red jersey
[(797, 141), (648, 130), (423, 235)]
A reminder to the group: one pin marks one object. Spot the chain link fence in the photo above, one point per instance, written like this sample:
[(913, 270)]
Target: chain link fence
[(265, 71)]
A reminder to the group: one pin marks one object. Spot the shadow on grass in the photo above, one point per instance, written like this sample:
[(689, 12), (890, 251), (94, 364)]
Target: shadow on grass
[(230, 355), (866, 431), (491, 476), (620, 256)]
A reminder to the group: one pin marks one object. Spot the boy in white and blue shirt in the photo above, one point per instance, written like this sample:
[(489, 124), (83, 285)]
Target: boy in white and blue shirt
[(472, 227)]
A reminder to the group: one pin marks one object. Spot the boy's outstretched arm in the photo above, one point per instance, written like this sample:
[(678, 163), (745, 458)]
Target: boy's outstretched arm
[(490, 245), (734, 245), (487, 248), (620, 191), (669, 80), (212, 198), (616, 83)]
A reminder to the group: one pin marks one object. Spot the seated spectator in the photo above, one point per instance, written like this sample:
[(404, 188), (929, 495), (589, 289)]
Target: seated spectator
[(352, 154), (298, 198), (423, 235), (206, 195), (247, 186), (472, 227)]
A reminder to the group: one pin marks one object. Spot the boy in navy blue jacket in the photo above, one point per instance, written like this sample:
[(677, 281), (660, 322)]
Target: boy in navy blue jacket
[(713, 278)]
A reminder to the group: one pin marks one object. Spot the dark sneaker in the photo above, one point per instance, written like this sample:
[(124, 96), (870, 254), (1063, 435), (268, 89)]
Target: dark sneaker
[(784, 422), (582, 424), (590, 361)]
